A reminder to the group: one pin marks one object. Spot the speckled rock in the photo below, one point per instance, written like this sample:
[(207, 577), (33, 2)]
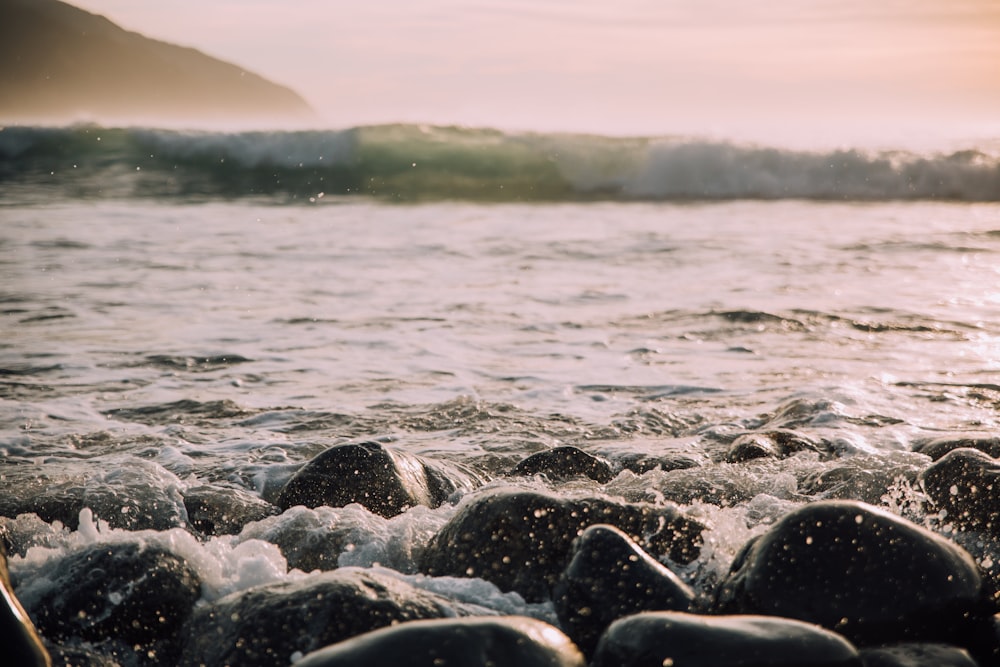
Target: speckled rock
[(565, 462), (267, 625), (966, 483), (511, 641), (385, 481), (676, 639), (520, 540), (868, 574), (609, 576)]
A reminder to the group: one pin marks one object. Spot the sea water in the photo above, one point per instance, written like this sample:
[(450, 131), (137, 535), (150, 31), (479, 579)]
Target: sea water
[(190, 309)]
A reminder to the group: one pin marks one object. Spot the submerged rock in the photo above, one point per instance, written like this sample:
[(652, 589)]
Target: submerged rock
[(938, 447), (218, 510), (966, 483), (565, 463), (267, 625), (608, 577), (917, 655), (383, 480), (520, 540), (511, 641), (676, 639), (133, 494), (18, 637), (769, 444), (136, 595), (868, 574)]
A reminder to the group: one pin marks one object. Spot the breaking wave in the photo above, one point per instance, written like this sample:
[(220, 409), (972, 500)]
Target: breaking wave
[(415, 162)]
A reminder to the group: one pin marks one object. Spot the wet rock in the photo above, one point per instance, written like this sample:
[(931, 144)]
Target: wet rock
[(938, 447), (966, 483), (917, 655), (267, 625), (864, 478), (309, 539), (565, 463), (609, 576), (655, 639), (133, 494), (511, 641), (769, 444), (520, 540), (19, 640), (861, 571), (136, 595), (642, 455), (79, 656), (383, 480), (224, 510)]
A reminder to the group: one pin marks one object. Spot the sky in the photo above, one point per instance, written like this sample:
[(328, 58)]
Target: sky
[(814, 71)]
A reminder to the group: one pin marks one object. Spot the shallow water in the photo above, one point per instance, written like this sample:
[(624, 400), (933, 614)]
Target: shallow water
[(152, 347)]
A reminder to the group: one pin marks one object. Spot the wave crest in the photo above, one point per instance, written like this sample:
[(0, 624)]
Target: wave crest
[(411, 162)]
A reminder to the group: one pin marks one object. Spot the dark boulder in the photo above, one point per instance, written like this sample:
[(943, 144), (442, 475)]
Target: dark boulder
[(939, 446), (656, 639), (19, 640), (966, 483), (267, 625), (520, 540), (511, 641), (565, 462), (608, 577), (861, 571), (385, 481), (136, 595), (224, 510), (917, 655)]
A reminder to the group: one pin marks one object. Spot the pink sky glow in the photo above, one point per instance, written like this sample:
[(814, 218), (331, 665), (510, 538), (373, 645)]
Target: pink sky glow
[(819, 71)]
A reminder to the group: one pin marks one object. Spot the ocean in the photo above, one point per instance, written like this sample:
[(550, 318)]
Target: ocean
[(185, 310)]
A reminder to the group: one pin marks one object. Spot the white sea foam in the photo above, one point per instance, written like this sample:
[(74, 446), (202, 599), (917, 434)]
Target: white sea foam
[(223, 564)]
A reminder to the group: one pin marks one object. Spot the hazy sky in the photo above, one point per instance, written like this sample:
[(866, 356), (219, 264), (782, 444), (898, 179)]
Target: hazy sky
[(824, 70)]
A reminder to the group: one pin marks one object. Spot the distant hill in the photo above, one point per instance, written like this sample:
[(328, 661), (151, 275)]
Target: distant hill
[(59, 63)]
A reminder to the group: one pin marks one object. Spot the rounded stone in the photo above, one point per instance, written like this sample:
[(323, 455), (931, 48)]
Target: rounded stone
[(268, 625), (608, 577), (677, 639), (520, 540), (917, 655), (966, 483), (860, 571), (385, 481), (566, 462), (129, 592), (511, 641)]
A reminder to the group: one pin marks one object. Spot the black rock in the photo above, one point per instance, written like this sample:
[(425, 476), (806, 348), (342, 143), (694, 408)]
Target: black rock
[(511, 641), (769, 444), (565, 462), (917, 655), (861, 571), (139, 596), (267, 625), (223, 510), (609, 577), (135, 495), (966, 483), (385, 481), (19, 640), (676, 639), (520, 540), (938, 447)]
